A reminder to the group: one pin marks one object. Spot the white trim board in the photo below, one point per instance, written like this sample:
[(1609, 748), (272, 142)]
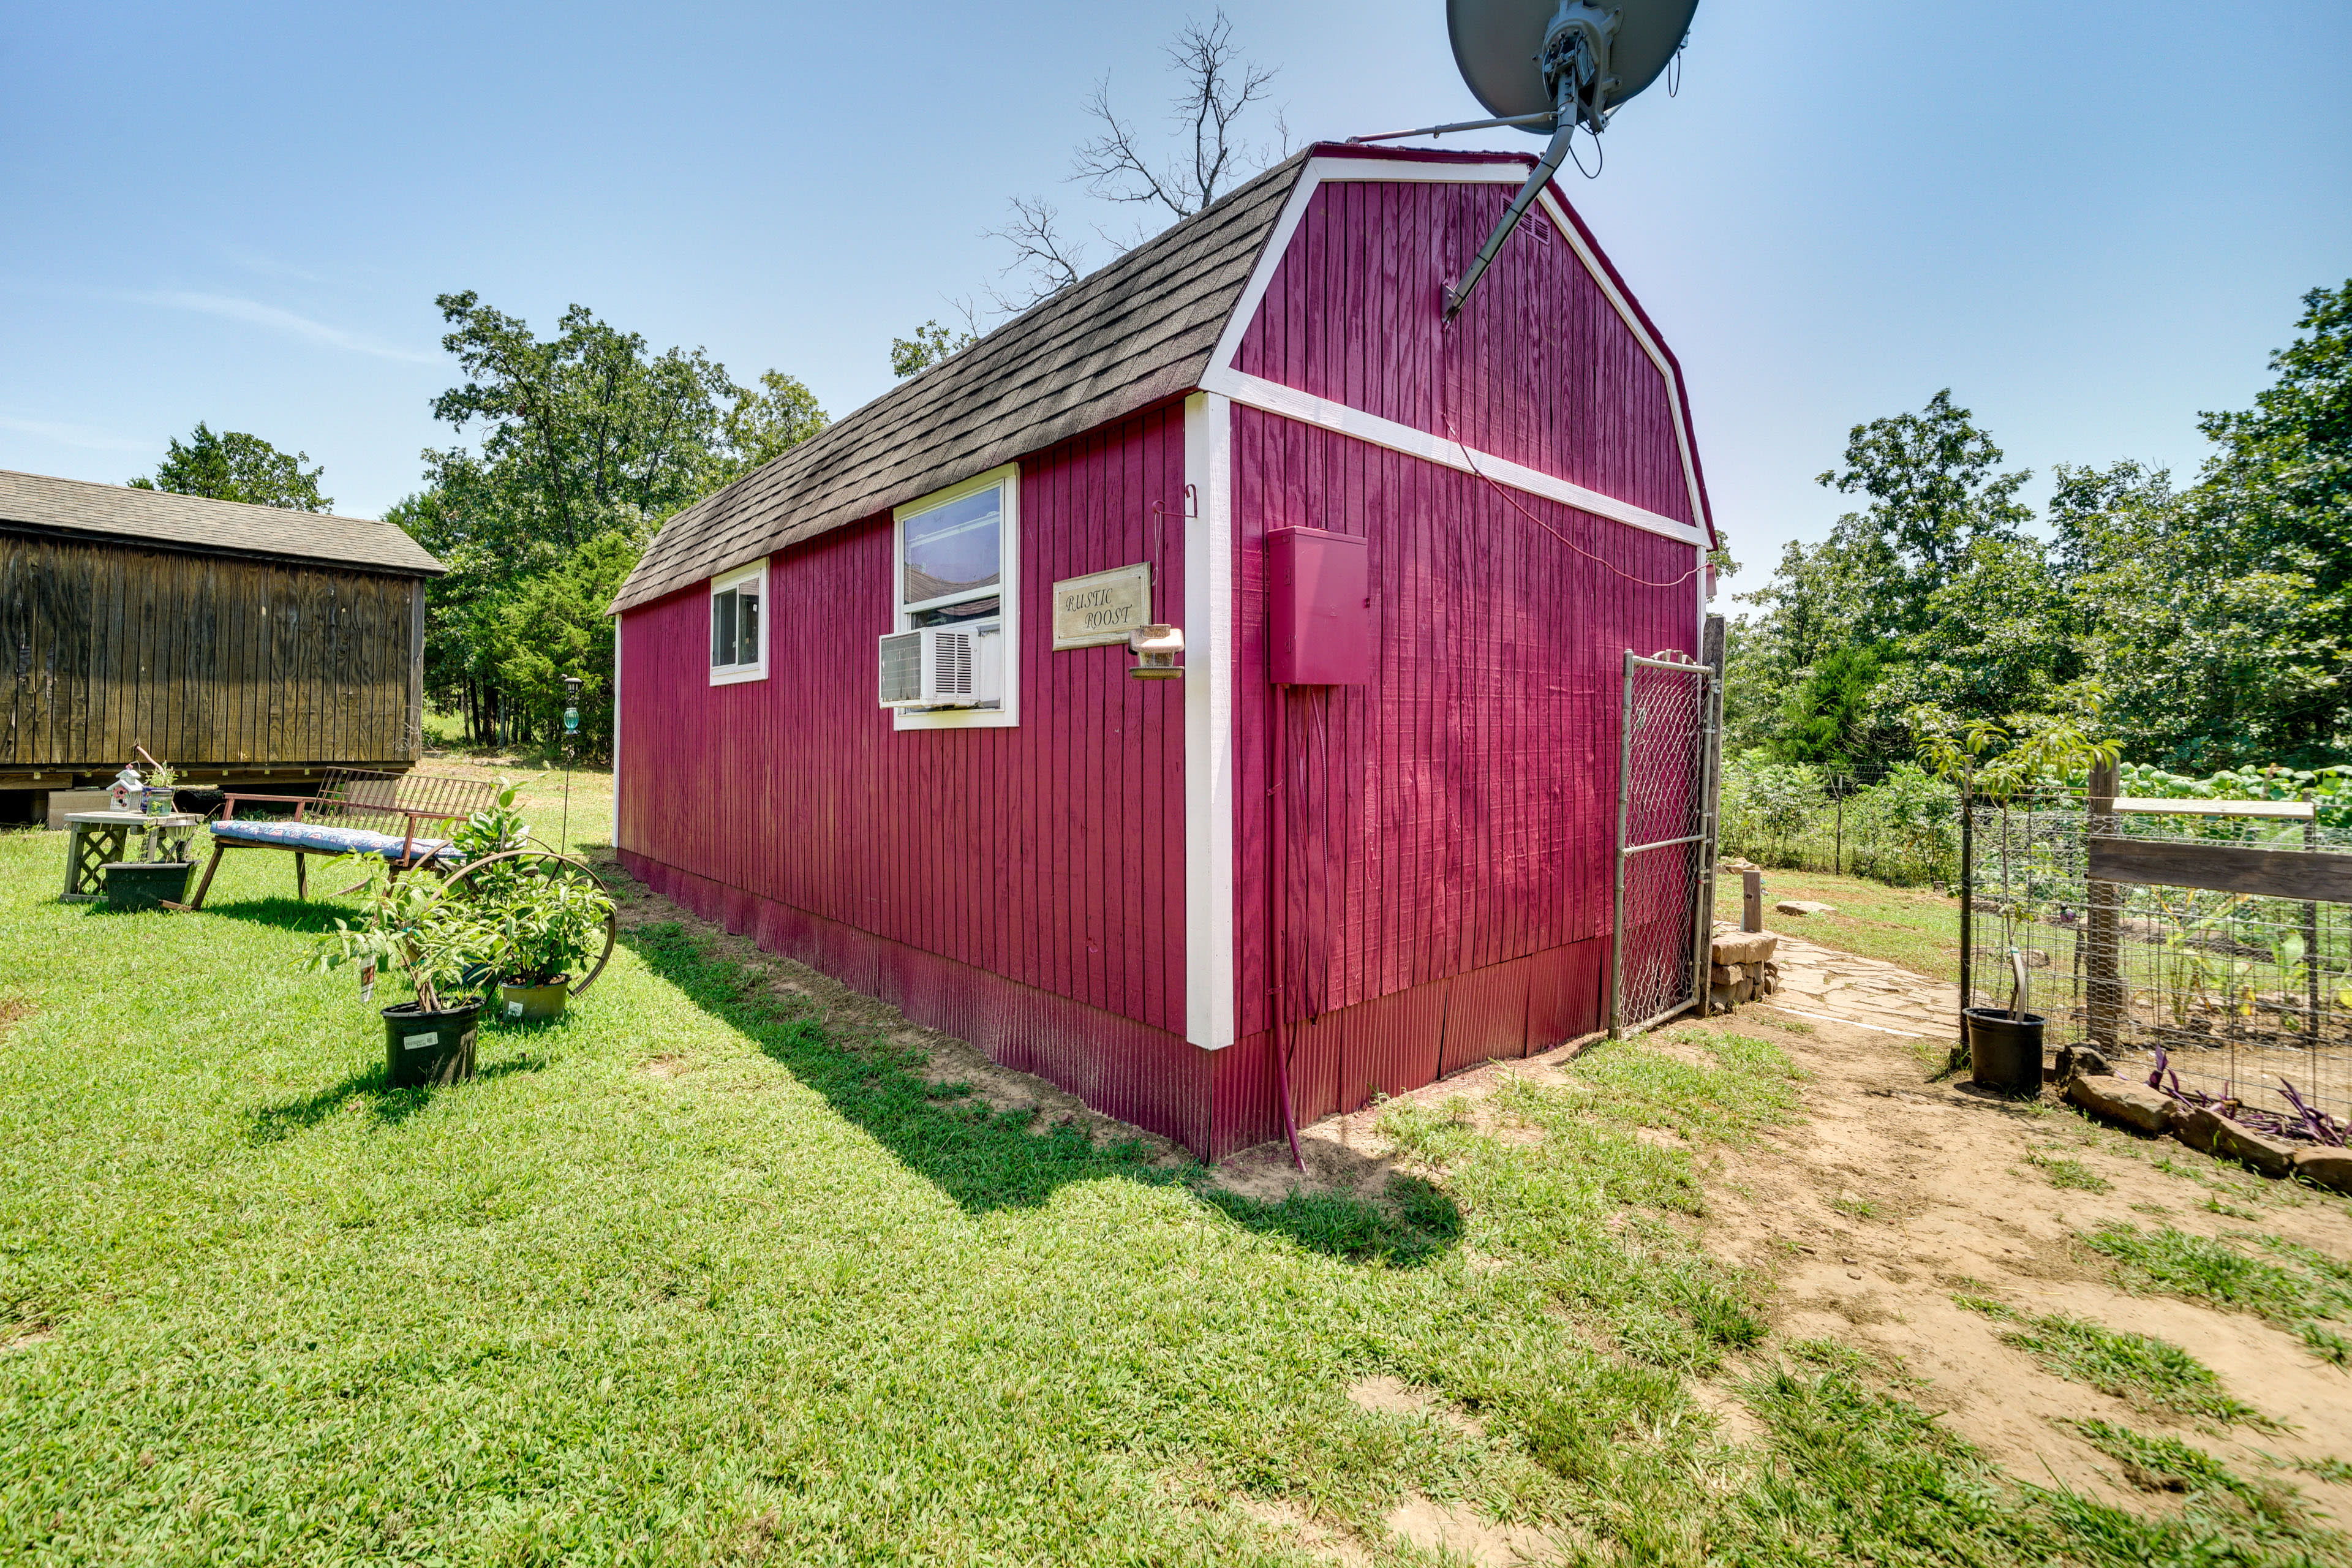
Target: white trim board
[(1218, 377), (1309, 409), (1208, 632), (737, 674), (618, 622)]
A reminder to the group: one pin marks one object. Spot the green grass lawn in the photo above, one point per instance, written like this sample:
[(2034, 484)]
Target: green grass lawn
[(1917, 927), (687, 1277)]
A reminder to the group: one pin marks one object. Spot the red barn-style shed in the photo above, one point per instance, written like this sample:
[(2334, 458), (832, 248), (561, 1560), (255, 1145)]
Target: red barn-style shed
[(1117, 883)]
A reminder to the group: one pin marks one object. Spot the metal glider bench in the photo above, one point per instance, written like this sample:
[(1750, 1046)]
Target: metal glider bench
[(354, 812)]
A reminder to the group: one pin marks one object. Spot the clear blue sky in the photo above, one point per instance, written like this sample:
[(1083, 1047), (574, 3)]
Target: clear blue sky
[(2089, 227)]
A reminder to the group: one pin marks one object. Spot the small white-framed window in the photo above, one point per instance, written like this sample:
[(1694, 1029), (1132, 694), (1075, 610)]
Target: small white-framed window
[(739, 626), (955, 561)]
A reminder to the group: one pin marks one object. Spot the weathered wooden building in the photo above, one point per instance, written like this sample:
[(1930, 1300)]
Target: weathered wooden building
[(1279, 878), (235, 642)]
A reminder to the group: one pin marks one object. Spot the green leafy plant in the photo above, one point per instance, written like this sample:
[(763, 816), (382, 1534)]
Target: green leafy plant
[(1996, 763), (547, 924), (410, 928), (545, 912)]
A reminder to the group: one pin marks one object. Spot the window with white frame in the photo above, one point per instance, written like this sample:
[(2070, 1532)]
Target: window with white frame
[(739, 627), (955, 566)]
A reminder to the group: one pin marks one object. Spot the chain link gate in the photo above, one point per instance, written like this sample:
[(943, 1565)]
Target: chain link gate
[(1664, 884)]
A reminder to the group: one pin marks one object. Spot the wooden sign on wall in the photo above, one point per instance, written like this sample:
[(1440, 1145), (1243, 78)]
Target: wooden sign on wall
[(1102, 607)]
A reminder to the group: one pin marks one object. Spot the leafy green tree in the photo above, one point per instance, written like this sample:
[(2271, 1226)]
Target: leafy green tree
[(234, 466), (2220, 615), (1999, 634), (2283, 484), (586, 443), (763, 425), (1831, 719), (1934, 492), (929, 345), (1939, 508), (2203, 627), (555, 624), (574, 427)]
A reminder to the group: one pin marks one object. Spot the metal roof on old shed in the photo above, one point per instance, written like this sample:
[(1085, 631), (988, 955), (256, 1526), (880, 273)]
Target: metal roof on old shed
[(210, 527), (1122, 339)]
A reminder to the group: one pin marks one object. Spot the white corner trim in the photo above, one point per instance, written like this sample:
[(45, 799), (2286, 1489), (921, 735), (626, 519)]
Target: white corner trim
[(1500, 171), (1308, 409), (1007, 714), (618, 622), (1208, 621), (736, 674)]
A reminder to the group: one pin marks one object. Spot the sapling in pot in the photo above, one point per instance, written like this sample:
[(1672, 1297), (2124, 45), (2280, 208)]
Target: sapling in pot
[(431, 942)]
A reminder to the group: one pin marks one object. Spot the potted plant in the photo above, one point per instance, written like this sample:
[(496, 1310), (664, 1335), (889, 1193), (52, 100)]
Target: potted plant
[(1992, 764), (429, 940), (159, 801), (547, 926), (546, 911)]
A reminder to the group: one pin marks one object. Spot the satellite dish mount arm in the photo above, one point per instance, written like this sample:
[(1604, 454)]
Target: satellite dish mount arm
[(1576, 68)]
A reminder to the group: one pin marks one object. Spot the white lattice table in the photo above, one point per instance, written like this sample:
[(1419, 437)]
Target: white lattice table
[(95, 839)]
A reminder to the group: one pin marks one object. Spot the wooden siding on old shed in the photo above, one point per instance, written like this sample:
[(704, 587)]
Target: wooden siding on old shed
[(205, 661), (1050, 854)]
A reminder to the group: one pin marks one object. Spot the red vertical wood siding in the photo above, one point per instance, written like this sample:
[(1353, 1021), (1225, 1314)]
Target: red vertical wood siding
[(1049, 855), (1538, 367), (1446, 896), (1450, 823)]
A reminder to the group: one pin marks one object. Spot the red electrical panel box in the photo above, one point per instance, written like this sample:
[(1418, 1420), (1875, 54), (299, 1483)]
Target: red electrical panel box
[(1319, 593)]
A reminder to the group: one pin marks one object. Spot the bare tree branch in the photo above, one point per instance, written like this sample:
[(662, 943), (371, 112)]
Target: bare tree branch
[(1217, 88), (1112, 166), (1048, 261), (1220, 85)]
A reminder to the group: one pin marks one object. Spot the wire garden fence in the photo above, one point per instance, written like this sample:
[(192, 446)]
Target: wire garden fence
[(2207, 947)]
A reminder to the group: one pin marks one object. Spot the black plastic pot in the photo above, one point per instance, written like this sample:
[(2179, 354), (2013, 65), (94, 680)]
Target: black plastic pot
[(428, 1047), (146, 884), (2005, 1053)]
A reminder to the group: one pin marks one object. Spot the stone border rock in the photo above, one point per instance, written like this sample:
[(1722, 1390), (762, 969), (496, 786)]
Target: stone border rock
[(2153, 1111)]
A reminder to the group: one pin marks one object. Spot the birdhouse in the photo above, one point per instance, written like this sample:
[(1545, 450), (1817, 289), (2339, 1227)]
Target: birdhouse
[(128, 791)]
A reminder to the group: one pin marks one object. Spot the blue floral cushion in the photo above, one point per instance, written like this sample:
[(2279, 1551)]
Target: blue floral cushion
[(320, 838)]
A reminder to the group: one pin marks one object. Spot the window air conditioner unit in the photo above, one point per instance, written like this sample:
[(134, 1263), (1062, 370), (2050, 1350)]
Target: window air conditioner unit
[(934, 667)]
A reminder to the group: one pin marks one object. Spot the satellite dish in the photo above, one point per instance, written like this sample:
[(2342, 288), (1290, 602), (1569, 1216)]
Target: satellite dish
[(1517, 55), (1548, 67)]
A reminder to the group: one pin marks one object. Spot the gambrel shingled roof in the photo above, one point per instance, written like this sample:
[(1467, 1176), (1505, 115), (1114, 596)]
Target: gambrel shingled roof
[(210, 527), (1134, 333)]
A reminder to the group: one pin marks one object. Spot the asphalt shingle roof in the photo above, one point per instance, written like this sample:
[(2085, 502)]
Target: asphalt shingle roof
[(215, 527), (1126, 337)]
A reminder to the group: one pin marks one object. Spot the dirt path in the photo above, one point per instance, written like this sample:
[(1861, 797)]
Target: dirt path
[(1898, 1191), (1901, 1192)]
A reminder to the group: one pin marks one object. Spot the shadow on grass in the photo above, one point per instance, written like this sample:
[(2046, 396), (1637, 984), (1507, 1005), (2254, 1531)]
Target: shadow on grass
[(385, 1106), (285, 913), (988, 1159)]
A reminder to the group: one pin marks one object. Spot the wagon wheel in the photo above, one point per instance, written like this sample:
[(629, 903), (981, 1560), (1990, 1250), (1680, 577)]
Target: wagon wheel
[(611, 917)]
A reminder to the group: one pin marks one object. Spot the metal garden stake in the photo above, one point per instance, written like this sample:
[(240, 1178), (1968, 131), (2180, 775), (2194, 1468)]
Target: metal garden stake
[(571, 729)]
